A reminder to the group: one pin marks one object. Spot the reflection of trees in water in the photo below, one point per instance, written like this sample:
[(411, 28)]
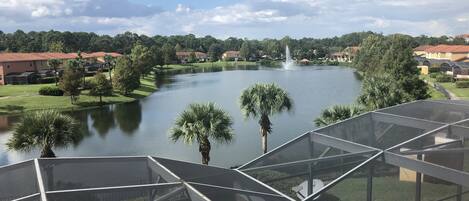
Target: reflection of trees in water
[(103, 120), (128, 116), (82, 118)]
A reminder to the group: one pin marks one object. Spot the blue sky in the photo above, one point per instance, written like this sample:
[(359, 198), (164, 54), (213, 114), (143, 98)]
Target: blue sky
[(255, 19)]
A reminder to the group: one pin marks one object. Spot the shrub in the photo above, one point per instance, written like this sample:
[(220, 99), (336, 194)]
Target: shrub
[(434, 75), (51, 91), (434, 69), (462, 84), (444, 78)]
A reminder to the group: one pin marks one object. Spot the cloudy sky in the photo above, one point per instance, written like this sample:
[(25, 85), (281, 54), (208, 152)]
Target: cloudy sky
[(241, 18)]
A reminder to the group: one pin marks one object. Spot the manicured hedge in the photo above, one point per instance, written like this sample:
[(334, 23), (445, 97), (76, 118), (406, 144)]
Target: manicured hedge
[(462, 84), (444, 78), (50, 91)]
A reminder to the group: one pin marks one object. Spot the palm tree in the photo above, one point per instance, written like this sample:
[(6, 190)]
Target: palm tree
[(201, 123), (109, 64), (380, 91), (264, 100), (337, 113), (54, 64), (46, 129)]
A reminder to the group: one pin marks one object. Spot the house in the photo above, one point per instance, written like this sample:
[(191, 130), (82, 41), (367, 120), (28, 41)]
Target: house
[(17, 63), (464, 36), (346, 55), (183, 57), (231, 56), (455, 53), (421, 50)]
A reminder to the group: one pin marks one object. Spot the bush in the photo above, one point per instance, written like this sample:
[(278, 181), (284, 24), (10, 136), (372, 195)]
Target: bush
[(462, 84), (444, 78), (434, 75), (51, 91), (434, 69)]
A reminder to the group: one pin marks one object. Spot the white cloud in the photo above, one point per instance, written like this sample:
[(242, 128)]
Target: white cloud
[(253, 19)]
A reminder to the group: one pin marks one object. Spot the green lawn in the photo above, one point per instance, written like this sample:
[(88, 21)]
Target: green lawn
[(23, 98), (462, 93)]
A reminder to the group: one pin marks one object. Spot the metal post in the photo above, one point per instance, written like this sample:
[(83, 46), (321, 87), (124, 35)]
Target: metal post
[(418, 182), (310, 167), (369, 184)]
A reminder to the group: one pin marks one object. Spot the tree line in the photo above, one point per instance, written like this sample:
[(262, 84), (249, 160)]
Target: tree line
[(391, 77), (310, 48)]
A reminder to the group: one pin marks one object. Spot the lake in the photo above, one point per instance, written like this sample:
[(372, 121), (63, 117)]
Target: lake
[(141, 128)]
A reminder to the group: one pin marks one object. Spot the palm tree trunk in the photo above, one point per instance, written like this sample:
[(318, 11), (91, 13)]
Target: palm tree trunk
[(110, 76), (266, 128), (204, 149), (47, 152), (264, 140)]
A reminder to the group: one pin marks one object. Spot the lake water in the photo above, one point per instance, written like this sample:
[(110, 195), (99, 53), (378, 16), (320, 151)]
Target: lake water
[(141, 128)]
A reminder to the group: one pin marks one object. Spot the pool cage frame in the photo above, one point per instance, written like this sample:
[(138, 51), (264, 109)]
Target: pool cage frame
[(438, 134)]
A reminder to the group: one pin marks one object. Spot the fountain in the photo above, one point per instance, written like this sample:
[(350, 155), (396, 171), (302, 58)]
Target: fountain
[(288, 64)]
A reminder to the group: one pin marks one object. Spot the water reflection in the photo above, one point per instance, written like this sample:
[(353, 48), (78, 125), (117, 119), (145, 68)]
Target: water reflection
[(103, 120), (128, 116)]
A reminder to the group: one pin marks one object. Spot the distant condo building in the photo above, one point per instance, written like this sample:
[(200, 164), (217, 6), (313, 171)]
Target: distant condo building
[(184, 56), (19, 68), (231, 56), (346, 55)]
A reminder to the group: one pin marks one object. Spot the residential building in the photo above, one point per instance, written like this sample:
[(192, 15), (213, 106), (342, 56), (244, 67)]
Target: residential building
[(231, 56), (19, 63), (420, 51), (346, 55), (456, 53), (183, 57)]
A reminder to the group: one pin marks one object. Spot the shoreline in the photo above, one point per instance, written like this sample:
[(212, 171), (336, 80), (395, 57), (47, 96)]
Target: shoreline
[(28, 100)]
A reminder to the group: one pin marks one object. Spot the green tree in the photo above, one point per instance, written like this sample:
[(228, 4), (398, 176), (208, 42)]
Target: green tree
[(214, 52), (368, 58), (100, 87), (54, 64), (45, 129), (71, 80), (201, 123), (156, 56), (57, 46), (169, 54), (380, 91), (337, 113), (126, 78), (141, 59), (192, 57), (178, 48), (264, 100), (245, 51)]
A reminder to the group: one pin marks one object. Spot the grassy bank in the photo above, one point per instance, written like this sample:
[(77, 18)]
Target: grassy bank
[(23, 98)]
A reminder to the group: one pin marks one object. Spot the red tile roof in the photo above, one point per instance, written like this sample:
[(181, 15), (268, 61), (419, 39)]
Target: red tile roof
[(423, 47), (43, 56), (449, 48)]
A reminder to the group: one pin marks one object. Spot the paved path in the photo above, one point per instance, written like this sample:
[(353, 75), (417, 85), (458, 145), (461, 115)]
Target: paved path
[(450, 95)]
